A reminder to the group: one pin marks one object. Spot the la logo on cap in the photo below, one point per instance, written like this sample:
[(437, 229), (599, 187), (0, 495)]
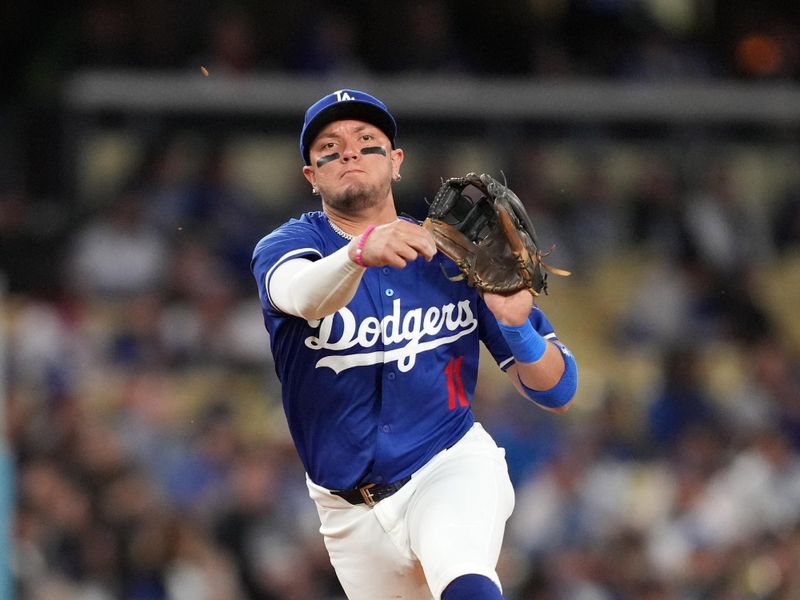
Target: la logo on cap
[(342, 95)]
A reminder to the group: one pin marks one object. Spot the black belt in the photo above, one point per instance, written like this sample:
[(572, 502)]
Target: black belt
[(371, 493)]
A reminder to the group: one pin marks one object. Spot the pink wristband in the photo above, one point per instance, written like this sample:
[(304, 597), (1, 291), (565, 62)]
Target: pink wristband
[(362, 239)]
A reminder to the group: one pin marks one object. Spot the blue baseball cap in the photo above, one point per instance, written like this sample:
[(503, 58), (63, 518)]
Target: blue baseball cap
[(345, 104)]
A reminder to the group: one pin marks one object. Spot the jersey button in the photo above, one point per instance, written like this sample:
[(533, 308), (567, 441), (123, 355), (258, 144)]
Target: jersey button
[(386, 428), (391, 376), (385, 270), (389, 292)]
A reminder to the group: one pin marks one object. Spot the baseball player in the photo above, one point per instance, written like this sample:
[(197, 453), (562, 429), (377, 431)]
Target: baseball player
[(377, 354)]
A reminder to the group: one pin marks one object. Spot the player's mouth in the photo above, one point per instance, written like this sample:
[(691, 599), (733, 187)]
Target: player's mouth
[(351, 172)]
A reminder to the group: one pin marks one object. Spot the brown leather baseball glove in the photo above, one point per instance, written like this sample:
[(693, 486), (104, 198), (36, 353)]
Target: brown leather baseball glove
[(489, 235)]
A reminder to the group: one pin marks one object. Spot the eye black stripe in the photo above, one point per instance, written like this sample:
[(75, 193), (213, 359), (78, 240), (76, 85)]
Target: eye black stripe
[(373, 150), (327, 158)]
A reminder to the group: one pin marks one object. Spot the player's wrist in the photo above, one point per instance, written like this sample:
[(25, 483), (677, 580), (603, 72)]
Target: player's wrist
[(356, 249), (524, 341)]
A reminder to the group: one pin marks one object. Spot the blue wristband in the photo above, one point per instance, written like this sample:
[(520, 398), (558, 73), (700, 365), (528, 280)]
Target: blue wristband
[(525, 343)]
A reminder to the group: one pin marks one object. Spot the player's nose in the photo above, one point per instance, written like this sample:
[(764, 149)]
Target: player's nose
[(349, 151)]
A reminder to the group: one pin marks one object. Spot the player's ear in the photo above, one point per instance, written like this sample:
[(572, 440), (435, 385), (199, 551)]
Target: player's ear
[(308, 173), (397, 156)]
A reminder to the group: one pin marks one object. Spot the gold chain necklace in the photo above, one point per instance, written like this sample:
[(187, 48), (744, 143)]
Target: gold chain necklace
[(345, 235)]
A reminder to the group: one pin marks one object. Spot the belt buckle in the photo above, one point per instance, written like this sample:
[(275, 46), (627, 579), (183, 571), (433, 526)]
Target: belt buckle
[(369, 499)]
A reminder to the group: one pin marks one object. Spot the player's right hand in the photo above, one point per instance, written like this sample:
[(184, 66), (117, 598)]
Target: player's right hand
[(394, 244)]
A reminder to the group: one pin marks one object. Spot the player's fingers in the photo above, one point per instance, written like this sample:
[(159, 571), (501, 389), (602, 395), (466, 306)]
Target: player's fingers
[(407, 253), (426, 245), (384, 248), (418, 238), (399, 242), (395, 260), (397, 251), (421, 246)]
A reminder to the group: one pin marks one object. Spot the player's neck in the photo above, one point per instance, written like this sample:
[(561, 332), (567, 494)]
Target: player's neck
[(354, 224)]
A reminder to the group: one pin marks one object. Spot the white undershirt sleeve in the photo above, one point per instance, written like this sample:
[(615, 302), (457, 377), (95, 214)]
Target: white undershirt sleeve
[(315, 289)]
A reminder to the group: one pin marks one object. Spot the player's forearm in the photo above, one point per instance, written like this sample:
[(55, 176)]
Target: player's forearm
[(545, 371), (536, 382), (315, 289)]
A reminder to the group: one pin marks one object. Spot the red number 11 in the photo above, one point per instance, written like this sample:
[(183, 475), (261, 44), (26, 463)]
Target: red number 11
[(455, 387)]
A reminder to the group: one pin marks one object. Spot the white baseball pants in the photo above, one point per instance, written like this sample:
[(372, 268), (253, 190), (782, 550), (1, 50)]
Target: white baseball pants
[(447, 521)]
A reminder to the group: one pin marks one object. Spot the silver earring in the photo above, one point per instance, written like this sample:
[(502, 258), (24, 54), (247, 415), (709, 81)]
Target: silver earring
[(314, 191), (397, 177)]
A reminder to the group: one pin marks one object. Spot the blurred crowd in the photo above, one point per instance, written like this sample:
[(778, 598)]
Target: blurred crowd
[(143, 412), (644, 39), (153, 457)]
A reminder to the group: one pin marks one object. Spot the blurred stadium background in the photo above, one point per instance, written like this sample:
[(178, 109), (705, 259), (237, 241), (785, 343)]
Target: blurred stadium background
[(656, 143)]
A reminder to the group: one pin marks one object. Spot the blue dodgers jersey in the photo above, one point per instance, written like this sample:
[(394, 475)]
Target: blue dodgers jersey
[(375, 390)]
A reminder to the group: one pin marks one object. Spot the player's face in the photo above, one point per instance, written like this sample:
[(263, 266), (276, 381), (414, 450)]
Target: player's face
[(352, 165)]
